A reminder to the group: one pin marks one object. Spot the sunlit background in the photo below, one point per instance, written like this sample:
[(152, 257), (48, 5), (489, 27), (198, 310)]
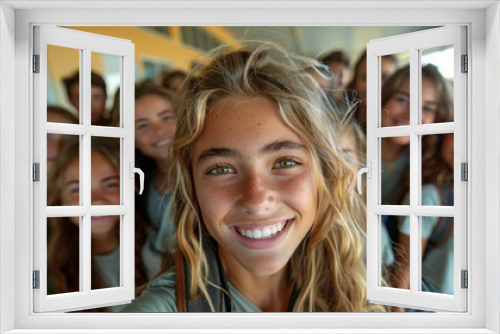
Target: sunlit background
[(161, 49)]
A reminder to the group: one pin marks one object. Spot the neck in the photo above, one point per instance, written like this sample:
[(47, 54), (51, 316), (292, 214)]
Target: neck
[(161, 163), (270, 293), (390, 150)]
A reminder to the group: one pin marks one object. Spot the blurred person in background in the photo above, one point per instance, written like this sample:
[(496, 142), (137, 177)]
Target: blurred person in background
[(98, 96)]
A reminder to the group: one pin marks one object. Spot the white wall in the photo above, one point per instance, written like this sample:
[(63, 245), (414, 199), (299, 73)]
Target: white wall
[(7, 159), (492, 156)]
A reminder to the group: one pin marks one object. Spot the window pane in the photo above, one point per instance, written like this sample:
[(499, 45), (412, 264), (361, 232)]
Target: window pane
[(105, 234), (395, 165), (395, 252), (63, 259), (105, 82), (437, 169), (437, 82), (105, 171), (63, 169), (395, 94), (63, 83), (437, 257)]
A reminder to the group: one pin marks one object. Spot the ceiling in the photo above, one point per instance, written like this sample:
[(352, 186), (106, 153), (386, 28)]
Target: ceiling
[(314, 41)]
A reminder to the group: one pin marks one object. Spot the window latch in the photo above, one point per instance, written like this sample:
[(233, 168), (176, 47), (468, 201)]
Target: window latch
[(133, 170), (368, 171)]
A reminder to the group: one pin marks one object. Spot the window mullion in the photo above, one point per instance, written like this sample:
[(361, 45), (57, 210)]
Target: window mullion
[(85, 170), (414, 170)]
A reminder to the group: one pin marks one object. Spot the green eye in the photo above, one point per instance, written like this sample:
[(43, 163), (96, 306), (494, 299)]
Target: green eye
[(220, 170), (287, 163)]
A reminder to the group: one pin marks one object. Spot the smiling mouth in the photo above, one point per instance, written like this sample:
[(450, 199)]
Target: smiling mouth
[(162, 143), (266, 232)]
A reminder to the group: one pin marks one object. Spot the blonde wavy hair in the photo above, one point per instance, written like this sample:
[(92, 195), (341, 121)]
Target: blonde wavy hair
[(327, 266)]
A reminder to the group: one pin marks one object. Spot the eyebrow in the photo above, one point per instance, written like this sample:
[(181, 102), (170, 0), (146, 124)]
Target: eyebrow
[(275, 146)]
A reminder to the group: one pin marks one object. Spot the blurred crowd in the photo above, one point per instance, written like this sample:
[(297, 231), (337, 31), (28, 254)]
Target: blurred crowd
[(155, 126)]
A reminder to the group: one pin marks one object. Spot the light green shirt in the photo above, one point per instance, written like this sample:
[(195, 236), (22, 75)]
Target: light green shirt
[(159, 296)]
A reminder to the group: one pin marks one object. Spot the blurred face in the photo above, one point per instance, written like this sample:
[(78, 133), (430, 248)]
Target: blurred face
[(360, 83), (176, 83), (105, 190), (154, 126), (340, 74), (388, 67), (55, 141), (396, 111), (448, 149), (255, 184), (97, 102)]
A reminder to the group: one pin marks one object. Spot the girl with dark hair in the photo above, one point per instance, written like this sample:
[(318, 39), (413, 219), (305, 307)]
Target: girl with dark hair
[(63, 244)]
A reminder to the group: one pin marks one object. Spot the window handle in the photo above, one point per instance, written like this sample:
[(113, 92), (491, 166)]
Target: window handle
[(141, 175), (368, 171)]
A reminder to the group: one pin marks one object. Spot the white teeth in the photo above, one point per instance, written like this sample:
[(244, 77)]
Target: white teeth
[(266, 232), (162, 143), (274, 229)]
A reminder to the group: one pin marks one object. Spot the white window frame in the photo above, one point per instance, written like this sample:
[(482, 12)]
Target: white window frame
[(85, 43), (415, 43), (16, 21)]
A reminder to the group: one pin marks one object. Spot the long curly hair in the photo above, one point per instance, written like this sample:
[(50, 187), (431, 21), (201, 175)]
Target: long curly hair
[(327, 265), (63, 249)]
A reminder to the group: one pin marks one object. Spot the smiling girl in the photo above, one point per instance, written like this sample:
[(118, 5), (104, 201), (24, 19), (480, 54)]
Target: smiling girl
[(63, 244), (155, 123), (259, 195)]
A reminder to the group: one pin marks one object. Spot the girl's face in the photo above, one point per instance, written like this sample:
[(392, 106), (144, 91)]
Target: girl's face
[(255, 184), (387, 68), (396, 111), (105, 190), (154, 126), (448, 149)]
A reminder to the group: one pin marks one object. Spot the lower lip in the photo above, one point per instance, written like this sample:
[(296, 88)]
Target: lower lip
[(259, 244)]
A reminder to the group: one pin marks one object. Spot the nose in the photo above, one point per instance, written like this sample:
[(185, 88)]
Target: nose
[(97, 198), (257, 195), (159, 130)]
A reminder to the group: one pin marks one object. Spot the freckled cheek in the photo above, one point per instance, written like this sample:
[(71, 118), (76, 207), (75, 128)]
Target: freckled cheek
[(215, 202), (301, 192)]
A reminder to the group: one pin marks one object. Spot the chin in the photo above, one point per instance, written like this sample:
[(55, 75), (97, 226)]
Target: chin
[(265, 267)]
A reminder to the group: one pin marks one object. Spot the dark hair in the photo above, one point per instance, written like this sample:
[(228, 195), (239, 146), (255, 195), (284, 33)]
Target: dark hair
[(337, 56), (170, 76), (95, 80)]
